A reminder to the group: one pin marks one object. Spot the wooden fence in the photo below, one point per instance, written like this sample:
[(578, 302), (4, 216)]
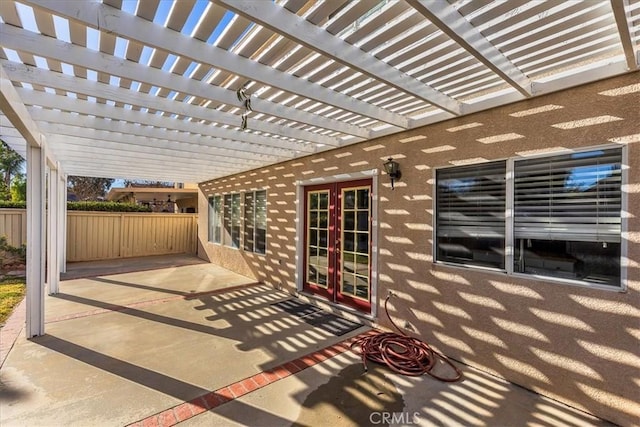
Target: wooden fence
[(110, 235), (13, 225)]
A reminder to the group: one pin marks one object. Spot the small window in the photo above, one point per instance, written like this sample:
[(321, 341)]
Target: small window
[(215, 223), (255, 221)]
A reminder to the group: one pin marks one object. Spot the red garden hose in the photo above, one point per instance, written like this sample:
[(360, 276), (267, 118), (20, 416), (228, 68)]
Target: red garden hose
[(403, 354)]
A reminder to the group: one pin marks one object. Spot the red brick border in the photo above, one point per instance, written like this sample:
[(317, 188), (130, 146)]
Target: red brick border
[(211, 400)]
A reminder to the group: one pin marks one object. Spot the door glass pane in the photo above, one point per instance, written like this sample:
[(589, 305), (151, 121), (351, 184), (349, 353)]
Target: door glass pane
[(355, 248), (349, 221), (324, 219), (349, 242), (363, 243), (362, 265), (317, 238), (363, 221), (363, 199), (323, 240), (349, 199), (348, 287), (324, 200)]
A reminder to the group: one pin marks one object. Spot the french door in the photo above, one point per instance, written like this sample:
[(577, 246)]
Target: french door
[(337, 242)]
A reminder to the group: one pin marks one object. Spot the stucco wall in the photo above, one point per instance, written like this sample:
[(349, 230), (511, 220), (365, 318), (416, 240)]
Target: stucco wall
[(575, 344)]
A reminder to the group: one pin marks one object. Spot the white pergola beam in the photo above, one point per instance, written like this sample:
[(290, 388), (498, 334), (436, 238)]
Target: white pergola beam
[(146, 144), (453, 24), (623, 20), (111, 162), (129, 173), (281, 21), (23, 40), (116, 22), (205, 135), (92, 149), (16, 112), (33, 75), (135, 156)]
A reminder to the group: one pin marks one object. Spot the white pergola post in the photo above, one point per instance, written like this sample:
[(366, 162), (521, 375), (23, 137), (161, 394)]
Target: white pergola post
[(53, 212), (35, 240), (62, 222)]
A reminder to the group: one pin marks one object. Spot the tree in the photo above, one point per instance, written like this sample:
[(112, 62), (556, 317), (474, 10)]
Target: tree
[(19, 189), (88, 188), (10, 166), (147, 183)]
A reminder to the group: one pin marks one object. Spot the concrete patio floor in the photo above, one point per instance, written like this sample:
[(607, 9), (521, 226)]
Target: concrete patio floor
[(191, 342)]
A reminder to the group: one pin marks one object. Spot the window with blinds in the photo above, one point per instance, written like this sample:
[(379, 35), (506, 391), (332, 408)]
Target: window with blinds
[(567, 212), (232, 220), (567, 215), (255, 221), (215, 219), (470, 214), (261, 222)]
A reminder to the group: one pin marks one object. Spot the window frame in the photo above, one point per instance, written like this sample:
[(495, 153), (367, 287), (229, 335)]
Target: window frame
[(509, 222)]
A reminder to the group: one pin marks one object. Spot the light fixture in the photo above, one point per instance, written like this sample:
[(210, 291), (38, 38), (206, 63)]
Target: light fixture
[(392, 168), (245, 98)]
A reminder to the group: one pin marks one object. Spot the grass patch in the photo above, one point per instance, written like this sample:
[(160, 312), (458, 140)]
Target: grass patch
[(12, 291)]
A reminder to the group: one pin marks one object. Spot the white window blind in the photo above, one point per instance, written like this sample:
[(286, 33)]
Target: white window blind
[(574, 197), (471, 201)]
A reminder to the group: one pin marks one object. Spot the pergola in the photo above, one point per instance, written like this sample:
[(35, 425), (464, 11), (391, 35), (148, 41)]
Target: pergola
[(191, 90)]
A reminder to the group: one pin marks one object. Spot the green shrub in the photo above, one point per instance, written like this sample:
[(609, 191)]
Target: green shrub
[(106, 207), (7, 204), (6, 247), (86, 206)]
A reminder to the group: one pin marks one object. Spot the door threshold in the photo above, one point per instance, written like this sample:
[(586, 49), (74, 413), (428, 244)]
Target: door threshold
[(348, 313)]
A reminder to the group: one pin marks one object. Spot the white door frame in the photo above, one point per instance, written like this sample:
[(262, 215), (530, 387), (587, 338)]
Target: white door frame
[(300, 214)]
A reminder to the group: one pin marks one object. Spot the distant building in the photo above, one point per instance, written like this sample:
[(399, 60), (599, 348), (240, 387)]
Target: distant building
[(183, 198)]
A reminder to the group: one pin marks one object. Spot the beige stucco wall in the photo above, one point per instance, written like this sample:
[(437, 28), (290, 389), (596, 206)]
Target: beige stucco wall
[(572, 343)]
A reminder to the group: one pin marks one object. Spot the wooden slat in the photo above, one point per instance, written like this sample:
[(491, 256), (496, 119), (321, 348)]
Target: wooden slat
[(180, 14), (147, 9), (379, 21), (44, 21), (237, 29), (209, 22), (350, 17)]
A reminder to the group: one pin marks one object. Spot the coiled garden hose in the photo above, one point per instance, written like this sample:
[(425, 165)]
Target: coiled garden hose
[(402, 353)]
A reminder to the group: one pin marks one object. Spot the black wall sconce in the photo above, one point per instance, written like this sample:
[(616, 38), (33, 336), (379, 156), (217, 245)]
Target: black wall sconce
[(392, 168)]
